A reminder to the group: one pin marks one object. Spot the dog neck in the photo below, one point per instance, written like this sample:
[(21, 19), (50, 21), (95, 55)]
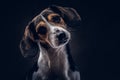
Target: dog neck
[(53, 58), (51, 51)]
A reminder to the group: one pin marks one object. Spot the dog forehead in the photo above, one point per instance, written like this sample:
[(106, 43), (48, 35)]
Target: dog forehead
[(44, 13)]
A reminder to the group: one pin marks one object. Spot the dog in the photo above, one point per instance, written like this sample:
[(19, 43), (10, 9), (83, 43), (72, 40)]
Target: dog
[(46, 43)]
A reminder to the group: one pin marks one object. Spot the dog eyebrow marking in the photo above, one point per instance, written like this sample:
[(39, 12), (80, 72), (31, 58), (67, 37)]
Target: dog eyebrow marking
[(45, 20), (59, 20), (41, 23), (52, 15)]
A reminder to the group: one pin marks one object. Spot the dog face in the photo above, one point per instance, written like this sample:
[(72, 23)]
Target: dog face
[(50, 26), (53, 30)]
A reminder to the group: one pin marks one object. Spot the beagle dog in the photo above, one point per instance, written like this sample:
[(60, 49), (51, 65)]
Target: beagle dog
[(46, 44)]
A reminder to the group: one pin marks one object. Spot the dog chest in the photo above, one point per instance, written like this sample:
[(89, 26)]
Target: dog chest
[(51, 64)]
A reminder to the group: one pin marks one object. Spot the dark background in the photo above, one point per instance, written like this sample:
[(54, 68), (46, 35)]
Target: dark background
[(95, 45)]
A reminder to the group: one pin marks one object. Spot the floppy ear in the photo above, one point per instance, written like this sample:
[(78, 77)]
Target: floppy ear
[(70, 15), (28, 46)]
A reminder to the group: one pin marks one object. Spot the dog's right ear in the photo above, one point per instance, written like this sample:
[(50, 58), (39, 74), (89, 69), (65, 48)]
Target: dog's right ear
[(28, 46)]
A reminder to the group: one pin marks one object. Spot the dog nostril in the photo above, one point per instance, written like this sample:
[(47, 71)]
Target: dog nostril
[(61, 36)]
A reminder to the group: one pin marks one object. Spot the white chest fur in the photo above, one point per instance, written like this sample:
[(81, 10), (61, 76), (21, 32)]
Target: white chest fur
[(54, 60)]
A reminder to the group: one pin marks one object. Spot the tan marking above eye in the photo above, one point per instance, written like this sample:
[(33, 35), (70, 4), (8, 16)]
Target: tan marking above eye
[(41, 23), (50, 16)]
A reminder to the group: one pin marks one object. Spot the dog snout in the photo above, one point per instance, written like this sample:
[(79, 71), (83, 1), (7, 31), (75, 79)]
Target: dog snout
[(62, 37)]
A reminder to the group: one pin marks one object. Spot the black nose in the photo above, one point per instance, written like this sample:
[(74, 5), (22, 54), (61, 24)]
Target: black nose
[(62, 37)]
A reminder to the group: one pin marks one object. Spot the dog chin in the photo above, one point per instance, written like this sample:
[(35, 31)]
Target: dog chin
[(59, 45)]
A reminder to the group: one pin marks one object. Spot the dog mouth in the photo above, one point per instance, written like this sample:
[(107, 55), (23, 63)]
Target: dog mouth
[(62, 39)]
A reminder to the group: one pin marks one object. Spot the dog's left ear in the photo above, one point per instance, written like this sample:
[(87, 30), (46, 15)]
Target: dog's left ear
[(70, 15)]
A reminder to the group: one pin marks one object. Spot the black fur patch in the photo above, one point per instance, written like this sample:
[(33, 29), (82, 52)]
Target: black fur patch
[(32, 30)]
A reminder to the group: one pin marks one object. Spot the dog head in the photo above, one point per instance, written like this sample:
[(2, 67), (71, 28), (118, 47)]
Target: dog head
[(50, 28), (54, 31)]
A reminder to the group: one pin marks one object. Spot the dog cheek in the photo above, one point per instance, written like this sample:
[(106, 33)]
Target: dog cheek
[(51, 39)]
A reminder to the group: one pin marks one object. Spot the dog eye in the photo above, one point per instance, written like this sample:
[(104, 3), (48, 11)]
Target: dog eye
[(56, 19), (42, 30)]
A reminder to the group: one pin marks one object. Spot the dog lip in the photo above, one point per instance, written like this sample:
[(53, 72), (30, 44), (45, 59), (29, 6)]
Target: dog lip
[(63, 41), (60, 43)]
